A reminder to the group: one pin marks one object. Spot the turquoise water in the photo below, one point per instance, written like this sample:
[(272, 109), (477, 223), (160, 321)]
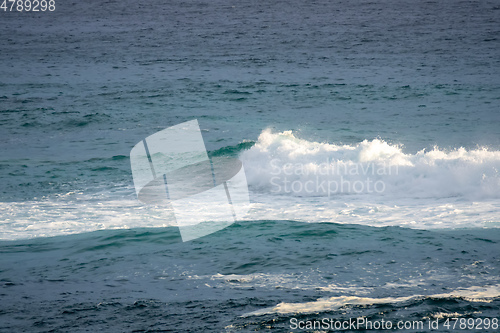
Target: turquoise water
[(410, 85)]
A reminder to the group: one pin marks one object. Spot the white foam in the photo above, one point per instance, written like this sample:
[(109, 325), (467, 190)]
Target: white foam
[(292, 281), (426, 190), (29, 219), (472, 294), (281, 159)]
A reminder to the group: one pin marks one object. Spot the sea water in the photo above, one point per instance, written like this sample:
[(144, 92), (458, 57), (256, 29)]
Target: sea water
[(370, 136)]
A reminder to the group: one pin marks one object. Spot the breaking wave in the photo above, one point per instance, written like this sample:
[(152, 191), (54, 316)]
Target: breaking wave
[(281, 163)]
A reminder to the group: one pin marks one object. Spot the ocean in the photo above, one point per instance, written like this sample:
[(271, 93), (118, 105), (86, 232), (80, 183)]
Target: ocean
[(369, 132)]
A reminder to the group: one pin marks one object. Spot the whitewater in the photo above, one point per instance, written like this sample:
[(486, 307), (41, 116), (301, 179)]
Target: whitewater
[(458, 188), (294, 179)]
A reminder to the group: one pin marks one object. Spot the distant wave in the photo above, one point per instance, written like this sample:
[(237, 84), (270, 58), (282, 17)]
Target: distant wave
[(232, 150), (281, 163)]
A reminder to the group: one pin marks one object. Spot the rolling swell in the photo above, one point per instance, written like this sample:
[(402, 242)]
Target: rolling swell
[(130, 279)]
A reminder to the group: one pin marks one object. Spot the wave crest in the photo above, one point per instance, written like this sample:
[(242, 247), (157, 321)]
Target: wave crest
[(284, 164)]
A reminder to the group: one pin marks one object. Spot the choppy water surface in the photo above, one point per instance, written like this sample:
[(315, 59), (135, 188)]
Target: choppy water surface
[(296, 90)]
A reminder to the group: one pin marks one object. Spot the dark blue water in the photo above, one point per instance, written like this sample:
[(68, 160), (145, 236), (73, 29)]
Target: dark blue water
[(411, 83), (147, 280)]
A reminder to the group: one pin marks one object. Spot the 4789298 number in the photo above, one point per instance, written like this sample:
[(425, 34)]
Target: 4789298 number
[(28, 5), (471, 323)]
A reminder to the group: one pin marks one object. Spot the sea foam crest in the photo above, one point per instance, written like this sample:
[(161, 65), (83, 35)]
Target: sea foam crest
[(281, 163), (472, 294)]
